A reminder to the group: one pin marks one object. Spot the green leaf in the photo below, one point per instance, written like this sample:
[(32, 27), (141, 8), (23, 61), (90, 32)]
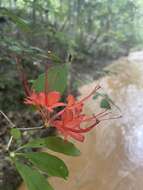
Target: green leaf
[(15, 49), (48, 163), (105, 104), (56, 144), (54, 58), (15, 132), (33, 179), (21, 23), (57, 79)]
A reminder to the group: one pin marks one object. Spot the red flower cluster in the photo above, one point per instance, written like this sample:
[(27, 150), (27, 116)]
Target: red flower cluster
[(49, 101), (69, 120)]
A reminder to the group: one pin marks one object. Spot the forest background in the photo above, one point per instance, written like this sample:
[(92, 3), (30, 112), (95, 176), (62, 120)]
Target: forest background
[(90, 32)]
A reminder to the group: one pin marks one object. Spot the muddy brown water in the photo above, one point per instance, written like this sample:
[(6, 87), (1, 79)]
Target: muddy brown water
[(112, 154)]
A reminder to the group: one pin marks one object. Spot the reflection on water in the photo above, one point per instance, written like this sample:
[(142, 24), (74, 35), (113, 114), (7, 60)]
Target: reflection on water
[(112, 155)]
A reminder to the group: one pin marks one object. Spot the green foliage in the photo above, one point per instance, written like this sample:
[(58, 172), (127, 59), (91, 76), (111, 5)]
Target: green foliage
[(15, 132), (10, 88), (56, 144), (48, 163), (85, 28), (105, 104), (38, 163), (33, 178), (21, 23), (57, 79)]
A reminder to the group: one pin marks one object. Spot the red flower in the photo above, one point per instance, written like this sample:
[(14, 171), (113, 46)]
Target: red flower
[(77, 106), (69, 123), (48, 101), (44, 101), (69, 120)]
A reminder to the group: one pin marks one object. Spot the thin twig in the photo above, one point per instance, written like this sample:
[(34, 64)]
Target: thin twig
[(31, 128), (9, 143), (5, 116), (22, 129)]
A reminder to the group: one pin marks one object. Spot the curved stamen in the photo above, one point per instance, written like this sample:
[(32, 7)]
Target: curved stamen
[(46, 85), (94, 90), (83, 130)]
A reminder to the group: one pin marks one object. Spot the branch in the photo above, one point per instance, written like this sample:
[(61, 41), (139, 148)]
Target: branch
[(31, 128), (22, 129), (9, 143), (6, 117)]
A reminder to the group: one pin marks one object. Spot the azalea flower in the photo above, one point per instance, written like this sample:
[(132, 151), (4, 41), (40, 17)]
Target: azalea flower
[(71, 118), (67, 122), (71, 124), (44, 101), (41, 99), (77, 105)]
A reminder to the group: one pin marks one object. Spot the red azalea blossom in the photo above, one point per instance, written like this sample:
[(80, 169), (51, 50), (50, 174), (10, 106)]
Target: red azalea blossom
[(71, 118), (45, 101), (49, 100), (77, 106), (67, 122), (70, 125), (45, 104)]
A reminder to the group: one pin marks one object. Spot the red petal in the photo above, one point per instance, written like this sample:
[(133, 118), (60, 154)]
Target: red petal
[(77, 136), (67, 116), (33, 99), (41, 98), (71, 100), (57, 124), (53, 97)]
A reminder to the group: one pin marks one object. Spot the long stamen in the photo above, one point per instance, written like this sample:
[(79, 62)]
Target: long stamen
[(110, 118), (101, 113), (83, 130), (56, 115), (47, 113), (43, 114), (95, 89), (46, 85), (89, 119)]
